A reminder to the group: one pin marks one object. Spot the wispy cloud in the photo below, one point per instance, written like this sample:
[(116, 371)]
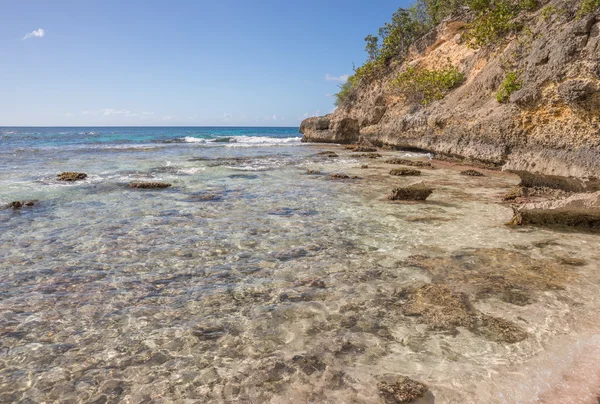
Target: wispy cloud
[(340, 79), (119, 112), (38, 33)]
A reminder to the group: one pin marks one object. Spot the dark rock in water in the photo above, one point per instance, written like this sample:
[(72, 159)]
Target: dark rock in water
[(364, 149), (313, 172), (71, 176), (364, 166), (149, 185), (368, 155), (329, 154), (403, 390), (309, 364), (343, 177), (291, 254), (244, 176), (415, 192), (405, 172), (472, 173), (15, 205), (208, 333), (18, 204), (412, 163), (205, 198)]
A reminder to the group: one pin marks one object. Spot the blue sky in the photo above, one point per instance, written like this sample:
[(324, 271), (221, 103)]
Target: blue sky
[(255, 63)]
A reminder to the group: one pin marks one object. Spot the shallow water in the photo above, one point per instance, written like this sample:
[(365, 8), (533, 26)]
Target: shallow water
[(250, 281)]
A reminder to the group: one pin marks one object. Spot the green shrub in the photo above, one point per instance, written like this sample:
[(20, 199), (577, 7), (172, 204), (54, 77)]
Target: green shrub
[(344, 93), (509, 85), (492, 24), (588, 6), (423, 86)]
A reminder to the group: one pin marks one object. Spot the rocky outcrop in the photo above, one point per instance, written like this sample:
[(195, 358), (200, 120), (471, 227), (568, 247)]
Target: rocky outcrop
[(579, 210), (550, 125), (322, 130)]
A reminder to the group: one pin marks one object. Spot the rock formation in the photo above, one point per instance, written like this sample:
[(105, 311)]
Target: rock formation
[(550, 124)]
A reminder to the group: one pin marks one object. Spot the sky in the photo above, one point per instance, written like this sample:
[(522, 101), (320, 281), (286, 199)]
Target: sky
[(179, 62)]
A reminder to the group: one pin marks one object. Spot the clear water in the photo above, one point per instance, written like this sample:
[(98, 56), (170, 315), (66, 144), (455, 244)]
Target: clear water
[(249, 281)]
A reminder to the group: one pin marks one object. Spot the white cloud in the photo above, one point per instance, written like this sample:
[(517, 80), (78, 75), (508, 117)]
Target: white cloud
[(119, 112), (38, 33), (69, 114), (314, 114), (275, 117), (340, 79)]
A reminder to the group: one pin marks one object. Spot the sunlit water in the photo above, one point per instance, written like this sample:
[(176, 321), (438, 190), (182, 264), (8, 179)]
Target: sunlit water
[(250, 281)]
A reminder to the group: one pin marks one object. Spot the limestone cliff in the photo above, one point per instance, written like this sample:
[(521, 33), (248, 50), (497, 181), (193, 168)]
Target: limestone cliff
[(550, 125)]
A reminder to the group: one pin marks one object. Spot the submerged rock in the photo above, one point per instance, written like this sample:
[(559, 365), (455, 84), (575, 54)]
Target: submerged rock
[(415, 192), (71, 176), (364, 166), (472, 173), (443, 309), (510, 276), (329, 154), (343, 177), (365, 149), (407, 162), (313, 172), (149, 185), (405, 172), (368, 155), (403, 390)]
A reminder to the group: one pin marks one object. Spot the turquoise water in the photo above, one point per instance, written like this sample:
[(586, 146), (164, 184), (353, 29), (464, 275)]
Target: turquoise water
[(250, 281), (15, 137)]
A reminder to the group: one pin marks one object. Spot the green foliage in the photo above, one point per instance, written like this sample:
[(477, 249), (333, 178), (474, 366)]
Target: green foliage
[(492, 24), (423, 86), (548, 12), (509, 85), (588, 6), (344, 93)]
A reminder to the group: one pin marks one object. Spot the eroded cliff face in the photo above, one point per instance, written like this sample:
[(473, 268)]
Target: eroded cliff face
[(551, 125)]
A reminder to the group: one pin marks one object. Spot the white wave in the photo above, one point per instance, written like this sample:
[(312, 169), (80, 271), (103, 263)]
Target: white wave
[(245, 141), (192, 170), (190, 139)]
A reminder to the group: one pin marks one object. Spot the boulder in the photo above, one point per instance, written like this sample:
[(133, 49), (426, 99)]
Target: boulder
[(415, 192)]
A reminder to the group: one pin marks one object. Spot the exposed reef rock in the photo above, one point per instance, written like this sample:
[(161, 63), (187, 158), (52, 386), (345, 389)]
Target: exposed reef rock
[(412, 163), (401, 390), (405, 172), (149, 185), (364, 149), (71, 176), (550, 124), (329, 154), (472, 173), (415, 192), (580, 210)]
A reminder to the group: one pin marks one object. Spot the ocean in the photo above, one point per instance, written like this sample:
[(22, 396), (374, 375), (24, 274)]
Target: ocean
[(249, 280)]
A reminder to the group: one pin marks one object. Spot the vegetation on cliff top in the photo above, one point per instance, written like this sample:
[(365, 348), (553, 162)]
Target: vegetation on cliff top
[(491, 22), (423, 86)]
